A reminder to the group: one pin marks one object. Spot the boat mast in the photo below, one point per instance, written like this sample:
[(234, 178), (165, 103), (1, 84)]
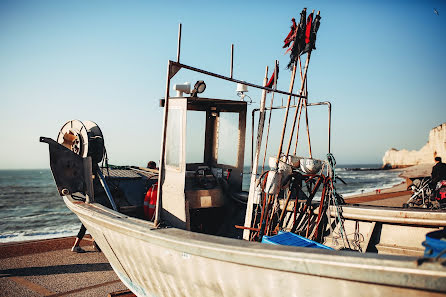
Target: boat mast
[(170, 73)]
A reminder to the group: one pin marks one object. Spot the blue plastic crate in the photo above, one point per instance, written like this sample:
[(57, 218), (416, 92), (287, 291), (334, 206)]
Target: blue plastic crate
[(435, 244), (288, 238)]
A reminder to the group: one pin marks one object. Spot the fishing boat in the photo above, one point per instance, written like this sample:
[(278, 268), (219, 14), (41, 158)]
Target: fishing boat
[(188, 229)]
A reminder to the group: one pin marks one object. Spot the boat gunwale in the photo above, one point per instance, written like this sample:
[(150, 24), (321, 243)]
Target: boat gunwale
[(421, 217)]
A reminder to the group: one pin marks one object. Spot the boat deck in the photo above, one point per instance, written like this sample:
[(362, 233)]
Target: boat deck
[(49, 268)]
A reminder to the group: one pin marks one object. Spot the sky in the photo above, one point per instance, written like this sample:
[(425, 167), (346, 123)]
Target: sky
[(382, 64)]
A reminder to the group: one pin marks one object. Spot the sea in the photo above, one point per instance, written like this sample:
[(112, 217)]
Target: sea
[(31, 208)]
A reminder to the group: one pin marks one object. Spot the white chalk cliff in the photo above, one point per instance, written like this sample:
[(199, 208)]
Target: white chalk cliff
[(436, 146)]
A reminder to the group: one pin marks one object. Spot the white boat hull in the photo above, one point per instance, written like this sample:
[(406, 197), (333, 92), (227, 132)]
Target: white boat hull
[(174, 262)]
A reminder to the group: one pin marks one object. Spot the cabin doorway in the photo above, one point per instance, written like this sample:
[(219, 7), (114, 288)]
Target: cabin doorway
[(204, 157)]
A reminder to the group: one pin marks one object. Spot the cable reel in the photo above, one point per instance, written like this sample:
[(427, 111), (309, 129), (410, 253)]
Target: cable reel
[(83, 138)]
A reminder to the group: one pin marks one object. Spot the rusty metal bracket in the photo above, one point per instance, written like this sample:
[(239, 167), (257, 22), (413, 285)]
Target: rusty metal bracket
[(173, 69), (71, 172)]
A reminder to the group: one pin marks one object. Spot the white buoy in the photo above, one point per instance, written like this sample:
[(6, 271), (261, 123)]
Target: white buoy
[(310, 166)]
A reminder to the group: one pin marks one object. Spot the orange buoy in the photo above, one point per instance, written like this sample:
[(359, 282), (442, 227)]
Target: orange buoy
[(150, 202)]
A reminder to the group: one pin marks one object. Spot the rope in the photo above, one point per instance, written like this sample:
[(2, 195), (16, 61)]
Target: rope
[(332, 164), (357, 238), (332, 175), (440, 254)]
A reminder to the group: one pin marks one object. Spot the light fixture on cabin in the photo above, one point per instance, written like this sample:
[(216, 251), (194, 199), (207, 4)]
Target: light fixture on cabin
[(241, 90), (182, 88), (199, 88)]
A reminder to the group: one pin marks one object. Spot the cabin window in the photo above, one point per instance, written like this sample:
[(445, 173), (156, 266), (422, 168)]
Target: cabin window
[(195, 135), (173, 137), (228, 138)]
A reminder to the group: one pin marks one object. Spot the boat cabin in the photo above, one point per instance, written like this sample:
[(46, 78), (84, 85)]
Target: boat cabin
[(203, 158)]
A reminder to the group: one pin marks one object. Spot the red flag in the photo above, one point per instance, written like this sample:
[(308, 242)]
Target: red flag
[(272, 79), (308, 28), (291, 35)]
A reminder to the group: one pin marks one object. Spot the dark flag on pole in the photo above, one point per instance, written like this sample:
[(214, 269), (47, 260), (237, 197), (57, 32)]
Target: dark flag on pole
[(299, 39), (311, 44), (273, 79), (303, 39), (308, 28), (290, 37)]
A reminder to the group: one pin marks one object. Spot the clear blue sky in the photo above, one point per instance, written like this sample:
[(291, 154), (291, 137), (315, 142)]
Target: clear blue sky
[(381, 63)]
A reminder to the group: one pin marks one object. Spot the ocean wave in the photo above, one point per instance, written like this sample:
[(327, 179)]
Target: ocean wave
[(45, 233), (373, 188)]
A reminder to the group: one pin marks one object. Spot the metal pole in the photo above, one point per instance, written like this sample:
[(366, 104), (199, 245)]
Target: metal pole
[(329, 126), (107, 190), (179, 43), (163, 149), (179, 65), (292, 106), (308, 129), (309, 104), (232, 59), (252, 140), (88, 172)]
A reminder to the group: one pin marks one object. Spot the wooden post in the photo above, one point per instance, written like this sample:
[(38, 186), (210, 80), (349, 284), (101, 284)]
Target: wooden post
[(302, 87), (270, 111), (300, 108), (252, 187), (298, 124), (282, 214), (293, 75)]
